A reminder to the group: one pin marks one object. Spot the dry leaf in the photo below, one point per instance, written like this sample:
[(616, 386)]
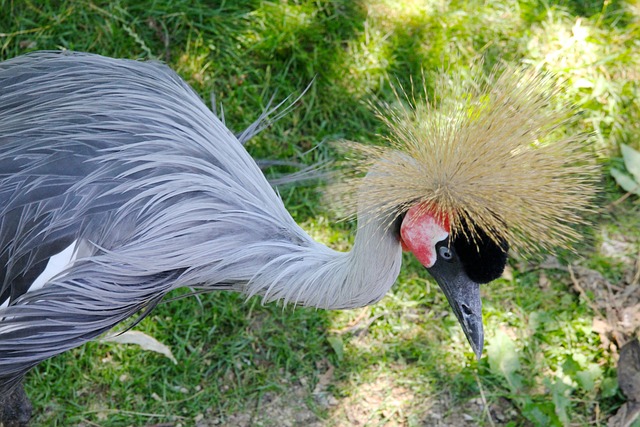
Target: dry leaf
[(145, 341)]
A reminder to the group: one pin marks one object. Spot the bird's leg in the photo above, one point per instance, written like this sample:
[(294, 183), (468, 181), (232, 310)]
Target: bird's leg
[(15, 408)]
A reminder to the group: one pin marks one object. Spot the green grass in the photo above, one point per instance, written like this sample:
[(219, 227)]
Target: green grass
[(406, 362)]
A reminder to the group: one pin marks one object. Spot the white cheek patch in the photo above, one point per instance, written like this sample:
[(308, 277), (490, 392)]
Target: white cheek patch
[(420, 231)]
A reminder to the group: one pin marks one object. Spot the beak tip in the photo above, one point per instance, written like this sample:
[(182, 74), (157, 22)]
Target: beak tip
[(474, 331), (477, 345), (478, 352)]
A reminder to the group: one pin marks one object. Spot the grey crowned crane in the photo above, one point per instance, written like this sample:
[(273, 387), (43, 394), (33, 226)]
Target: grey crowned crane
[(115, 171)]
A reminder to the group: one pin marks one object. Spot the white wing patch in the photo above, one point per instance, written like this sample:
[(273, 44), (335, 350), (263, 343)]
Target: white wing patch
[(57, 263)]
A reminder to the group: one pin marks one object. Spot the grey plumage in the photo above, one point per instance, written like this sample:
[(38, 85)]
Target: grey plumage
[(124, 158)]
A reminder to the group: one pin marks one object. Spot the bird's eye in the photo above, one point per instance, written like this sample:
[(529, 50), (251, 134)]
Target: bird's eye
[(445, 253)]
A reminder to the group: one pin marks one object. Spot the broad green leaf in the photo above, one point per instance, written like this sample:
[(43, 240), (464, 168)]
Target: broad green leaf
[(631, 160), (337, 345), (601, 87), (503, 359), (587, 378), (570, 367), (625, 181), (537, 320), (541, 414), (560, 398), (609, 387)]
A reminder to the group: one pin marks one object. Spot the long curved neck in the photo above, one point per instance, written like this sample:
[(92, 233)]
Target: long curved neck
[(320, 277), (374, 262)]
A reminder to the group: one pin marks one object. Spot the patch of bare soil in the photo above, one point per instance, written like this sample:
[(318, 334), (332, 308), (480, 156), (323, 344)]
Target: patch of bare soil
[(383, 402), (288, 409), (386, 403)]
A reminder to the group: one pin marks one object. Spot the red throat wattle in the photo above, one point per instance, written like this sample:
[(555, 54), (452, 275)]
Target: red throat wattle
[(421, 229)]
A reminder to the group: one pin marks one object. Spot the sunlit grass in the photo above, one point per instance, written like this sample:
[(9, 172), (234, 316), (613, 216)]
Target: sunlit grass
[(597, 59)]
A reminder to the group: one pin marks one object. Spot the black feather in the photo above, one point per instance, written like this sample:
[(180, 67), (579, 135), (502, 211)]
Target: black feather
[(482, 258)]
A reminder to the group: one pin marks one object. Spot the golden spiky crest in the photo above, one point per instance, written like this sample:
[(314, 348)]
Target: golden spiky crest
[(487, 155)]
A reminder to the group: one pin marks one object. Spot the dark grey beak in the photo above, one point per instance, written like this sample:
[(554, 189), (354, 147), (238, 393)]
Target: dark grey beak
[(463, 295)]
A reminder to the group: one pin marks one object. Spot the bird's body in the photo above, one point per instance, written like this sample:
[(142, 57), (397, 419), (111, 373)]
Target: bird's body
[(116, 172), (161, 200)]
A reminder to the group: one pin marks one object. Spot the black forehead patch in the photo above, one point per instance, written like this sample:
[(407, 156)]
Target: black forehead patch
[(483, 260)]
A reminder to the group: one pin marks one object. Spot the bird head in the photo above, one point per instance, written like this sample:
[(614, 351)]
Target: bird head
[(472, 173), (459, 265)]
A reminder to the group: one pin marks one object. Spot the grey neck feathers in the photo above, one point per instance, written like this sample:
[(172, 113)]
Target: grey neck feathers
[(317, 276)]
